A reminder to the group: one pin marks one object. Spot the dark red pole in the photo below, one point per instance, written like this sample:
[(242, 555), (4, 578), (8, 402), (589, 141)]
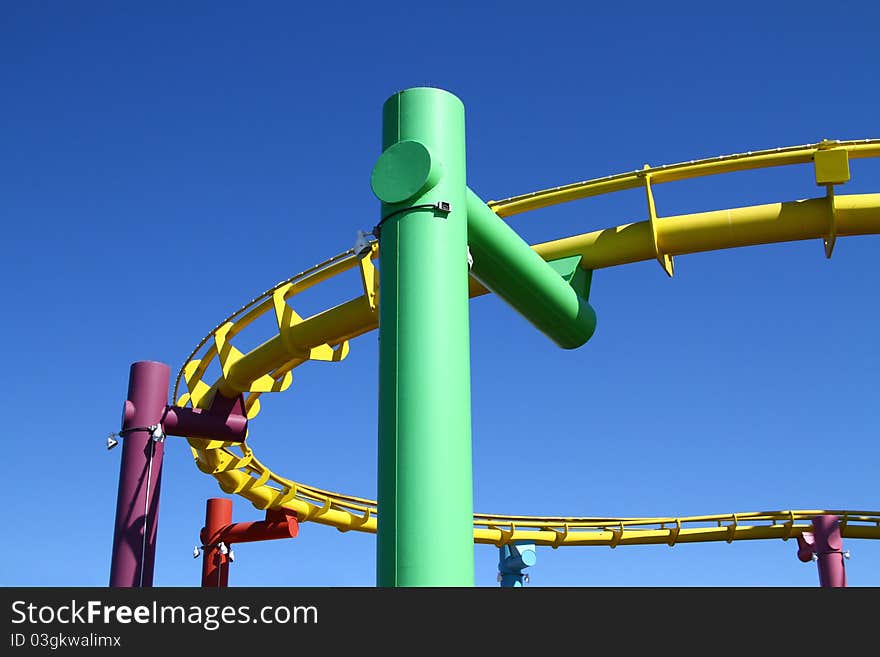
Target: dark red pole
[(826, 544), (140, 476), (829, 550), (215, 565)]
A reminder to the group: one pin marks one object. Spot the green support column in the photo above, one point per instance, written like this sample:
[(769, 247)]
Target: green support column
[(425, 488)]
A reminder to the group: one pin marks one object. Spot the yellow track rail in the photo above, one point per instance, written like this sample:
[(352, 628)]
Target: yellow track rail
[(325, 336)]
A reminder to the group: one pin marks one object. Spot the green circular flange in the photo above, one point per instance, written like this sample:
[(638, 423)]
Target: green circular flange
[(404, 170)]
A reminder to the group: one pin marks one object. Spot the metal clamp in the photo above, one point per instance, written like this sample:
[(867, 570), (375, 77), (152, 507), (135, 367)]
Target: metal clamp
[(157, 434), (224, 549), (441, 206)]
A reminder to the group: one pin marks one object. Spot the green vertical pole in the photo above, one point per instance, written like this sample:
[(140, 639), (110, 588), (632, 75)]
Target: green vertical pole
[(425, 488)]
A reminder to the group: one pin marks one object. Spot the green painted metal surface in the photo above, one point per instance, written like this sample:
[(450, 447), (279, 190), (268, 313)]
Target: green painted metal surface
[(572, 273), (425, 489), (505, 264), (404, 169)]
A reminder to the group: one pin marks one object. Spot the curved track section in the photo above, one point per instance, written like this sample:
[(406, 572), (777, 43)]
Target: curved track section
[(325, 336)]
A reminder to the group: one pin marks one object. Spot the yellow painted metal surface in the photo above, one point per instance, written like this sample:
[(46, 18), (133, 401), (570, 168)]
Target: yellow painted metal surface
[(855, 214), (325, 337), (681, 171), (831, 166), (663, 258)]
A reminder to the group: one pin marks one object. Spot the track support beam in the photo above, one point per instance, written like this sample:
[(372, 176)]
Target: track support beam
[(513, 559), (146, 420), (825, 546), (215, 562), (140, 476), (425, 535), (505, 264)]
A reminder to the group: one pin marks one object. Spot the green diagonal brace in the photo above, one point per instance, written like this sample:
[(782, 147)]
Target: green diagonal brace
[(506, 265)]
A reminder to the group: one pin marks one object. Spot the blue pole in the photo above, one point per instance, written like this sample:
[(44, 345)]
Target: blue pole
[(512, 560)]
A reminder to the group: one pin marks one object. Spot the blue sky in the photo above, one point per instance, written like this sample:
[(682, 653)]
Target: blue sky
[(165, 162)]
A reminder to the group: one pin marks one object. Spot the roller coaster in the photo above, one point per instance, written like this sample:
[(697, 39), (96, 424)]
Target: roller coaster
[(246, 377)]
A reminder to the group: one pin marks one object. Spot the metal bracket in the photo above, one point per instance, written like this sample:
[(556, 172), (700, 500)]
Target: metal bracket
[(674, 532), (286, 318), (831, 238), (370, 276), (192, 375), (156, 431), (559, 537), (664, 259), (363, 244), (229, 355), (731, 529)]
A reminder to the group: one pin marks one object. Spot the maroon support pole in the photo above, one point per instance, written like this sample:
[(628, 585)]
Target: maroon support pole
[(140, 477), (826, 544), (829, 549), (215, 565)]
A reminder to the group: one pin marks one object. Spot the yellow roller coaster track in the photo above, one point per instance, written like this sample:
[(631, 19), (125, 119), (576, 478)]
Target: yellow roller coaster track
[(325, 336)]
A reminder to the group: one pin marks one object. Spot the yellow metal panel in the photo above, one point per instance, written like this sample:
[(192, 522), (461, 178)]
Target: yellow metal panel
[(857, 214), (831, 166)]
